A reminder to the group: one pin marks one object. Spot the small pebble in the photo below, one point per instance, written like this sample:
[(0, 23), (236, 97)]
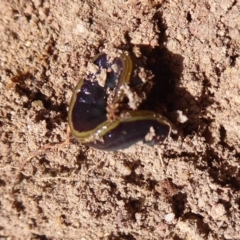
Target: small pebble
[(169, 217)]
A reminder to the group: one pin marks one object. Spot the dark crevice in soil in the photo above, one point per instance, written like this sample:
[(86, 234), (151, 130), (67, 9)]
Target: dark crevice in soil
[(189, 17), (39, 237), (221, 171), (233, 59), (178, 203), (121, 236), (177, 238), (19, 206), (198, 221)]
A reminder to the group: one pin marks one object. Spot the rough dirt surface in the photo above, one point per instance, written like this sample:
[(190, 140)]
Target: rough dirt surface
[(185, 188)]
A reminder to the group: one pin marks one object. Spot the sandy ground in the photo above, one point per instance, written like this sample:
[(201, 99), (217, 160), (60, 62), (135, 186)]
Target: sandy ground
[(186, 188)]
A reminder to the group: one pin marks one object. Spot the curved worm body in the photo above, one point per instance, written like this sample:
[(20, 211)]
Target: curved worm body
[(91, 121)]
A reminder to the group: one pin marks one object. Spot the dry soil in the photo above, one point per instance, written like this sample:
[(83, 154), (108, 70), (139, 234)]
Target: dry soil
[(185, 188)]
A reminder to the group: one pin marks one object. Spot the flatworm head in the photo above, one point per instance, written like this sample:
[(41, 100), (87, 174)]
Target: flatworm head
[(88, 114)]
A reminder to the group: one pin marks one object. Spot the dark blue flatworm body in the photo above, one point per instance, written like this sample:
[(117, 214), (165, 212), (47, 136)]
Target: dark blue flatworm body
[(88, 114)]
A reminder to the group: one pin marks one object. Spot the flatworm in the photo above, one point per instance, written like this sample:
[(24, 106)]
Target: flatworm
[(100, 116)]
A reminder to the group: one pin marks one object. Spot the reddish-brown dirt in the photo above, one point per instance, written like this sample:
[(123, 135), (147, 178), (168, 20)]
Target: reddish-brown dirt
[(186, 188)]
